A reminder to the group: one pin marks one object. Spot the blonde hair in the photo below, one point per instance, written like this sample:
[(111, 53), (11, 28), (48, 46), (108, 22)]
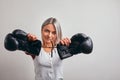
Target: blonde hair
[(57, 26)]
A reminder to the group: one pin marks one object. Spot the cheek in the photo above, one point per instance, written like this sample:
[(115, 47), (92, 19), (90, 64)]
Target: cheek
[(55, 38), (43, 35)]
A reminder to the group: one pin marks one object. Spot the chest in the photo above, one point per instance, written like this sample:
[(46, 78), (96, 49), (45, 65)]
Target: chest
[(50, 59)]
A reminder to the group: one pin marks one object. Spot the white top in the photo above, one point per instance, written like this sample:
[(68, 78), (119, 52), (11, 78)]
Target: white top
[(47, 67)]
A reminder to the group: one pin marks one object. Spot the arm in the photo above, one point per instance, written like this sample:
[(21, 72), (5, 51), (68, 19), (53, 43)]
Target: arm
[(80, 43), (18, 40)]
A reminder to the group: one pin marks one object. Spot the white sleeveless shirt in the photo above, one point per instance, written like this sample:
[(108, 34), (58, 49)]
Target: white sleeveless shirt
[(47, 67)]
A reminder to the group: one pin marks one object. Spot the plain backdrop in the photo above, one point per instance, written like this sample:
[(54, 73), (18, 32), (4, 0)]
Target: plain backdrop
[(99, 19)]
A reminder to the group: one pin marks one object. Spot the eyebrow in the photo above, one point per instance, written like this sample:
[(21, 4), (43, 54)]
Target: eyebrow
[(49, 30)]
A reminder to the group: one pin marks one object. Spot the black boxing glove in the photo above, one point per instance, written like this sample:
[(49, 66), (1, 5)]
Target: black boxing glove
[(80, 43), (17, 40), (63, 51), (20, 34), (10, 43)]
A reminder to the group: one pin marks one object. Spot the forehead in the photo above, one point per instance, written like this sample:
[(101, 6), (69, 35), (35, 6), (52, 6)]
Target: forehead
[(49, 27)]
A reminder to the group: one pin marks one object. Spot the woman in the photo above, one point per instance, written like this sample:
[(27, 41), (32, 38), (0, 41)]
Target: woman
[(48, 65), (47, 61)]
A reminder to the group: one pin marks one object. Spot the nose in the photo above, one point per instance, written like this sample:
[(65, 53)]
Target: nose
[(50, 35)]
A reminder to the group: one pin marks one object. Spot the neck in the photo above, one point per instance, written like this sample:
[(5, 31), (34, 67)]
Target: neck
[(48, 47)]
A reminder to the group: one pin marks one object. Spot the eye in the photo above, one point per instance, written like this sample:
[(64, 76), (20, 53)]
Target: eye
[(54, 32), (46, 30)]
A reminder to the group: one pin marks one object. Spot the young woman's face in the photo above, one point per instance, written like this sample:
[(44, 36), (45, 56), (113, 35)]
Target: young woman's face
[(49, 34)]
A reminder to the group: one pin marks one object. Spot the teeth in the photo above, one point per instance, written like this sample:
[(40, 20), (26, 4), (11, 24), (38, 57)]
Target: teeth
[(50, 39)]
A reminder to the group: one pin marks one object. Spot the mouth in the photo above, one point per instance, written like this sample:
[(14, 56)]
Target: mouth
[(49, 40)]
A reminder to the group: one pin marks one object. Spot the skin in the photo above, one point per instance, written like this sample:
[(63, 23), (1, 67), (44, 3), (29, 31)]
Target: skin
[(49, 37)]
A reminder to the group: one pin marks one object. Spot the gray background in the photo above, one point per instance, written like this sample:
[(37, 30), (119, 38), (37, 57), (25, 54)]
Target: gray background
[(100, 19)]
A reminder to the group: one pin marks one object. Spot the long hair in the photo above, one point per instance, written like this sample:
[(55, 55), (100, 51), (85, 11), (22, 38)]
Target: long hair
[(57, 26)]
